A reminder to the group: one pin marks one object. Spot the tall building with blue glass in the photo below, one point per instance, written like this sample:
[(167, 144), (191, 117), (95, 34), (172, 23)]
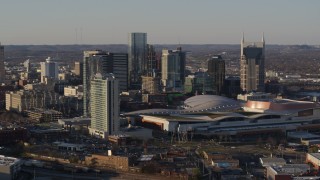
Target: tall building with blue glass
[(137, 54)]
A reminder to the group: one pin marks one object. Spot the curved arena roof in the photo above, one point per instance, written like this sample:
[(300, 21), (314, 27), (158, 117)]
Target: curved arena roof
[(200, 103), (204, 102)]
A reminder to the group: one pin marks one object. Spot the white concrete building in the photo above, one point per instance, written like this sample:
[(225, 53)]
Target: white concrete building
[(73, 91), (171, 70), (104, 105), (49, 69)]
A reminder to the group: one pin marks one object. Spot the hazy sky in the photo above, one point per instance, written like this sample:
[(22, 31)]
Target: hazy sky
[(165, 21)]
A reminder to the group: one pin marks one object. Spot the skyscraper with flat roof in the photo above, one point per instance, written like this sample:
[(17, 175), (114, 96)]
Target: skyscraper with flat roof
[(78, 68), (137, 54), (2, 70), (103, 62), (104, 107), (170, 70), (91, 66), (216, 70), (182, 55), (49, 69), (252, 65)]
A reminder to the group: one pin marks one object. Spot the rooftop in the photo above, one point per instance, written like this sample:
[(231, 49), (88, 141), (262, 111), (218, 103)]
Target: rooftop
[(272, 160), (294, 169), (8, 161), (303, 135), (74, 121), (45, 111), (196, 104), (316, 155), (145, 158)]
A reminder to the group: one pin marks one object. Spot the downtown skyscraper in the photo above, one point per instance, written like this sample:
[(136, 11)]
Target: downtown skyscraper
[(173, 69), (49, 69), (104, 96), (103, 62), (2, 69), (137, 56), (216, 71), (252, 65)]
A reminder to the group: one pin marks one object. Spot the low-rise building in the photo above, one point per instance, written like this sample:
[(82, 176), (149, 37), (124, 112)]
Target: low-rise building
[(225, 163), (265, 162), (155, 98), (74, 91), (120, 140), (257, 96), (313, 158), (69, 146), (42, 115), (77, 121), (286, 172), (104, 161), (9, 167), (24, 100)]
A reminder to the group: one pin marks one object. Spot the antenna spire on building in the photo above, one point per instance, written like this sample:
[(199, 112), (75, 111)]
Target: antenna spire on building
[(263, 37), (242, 40)]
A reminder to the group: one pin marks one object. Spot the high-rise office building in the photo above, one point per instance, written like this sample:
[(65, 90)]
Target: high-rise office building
[(152, 61), (171, 70), (216, 70), (120, 69), (103, 62), (78, 68), (27, 65), (2, 69), (49, 69), (150, 84), (137, 54), (199, 83), (91, 66), (182, 56), (104, 107), (252, 65)]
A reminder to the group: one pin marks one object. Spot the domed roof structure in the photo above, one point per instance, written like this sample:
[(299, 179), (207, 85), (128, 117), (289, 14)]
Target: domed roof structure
[(200, 103), (210, 102)]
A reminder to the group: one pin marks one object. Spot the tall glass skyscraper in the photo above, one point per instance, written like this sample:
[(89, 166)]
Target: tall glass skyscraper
[(171, 70), (173, 65), (216, 70), (252, 65), (104, 106), (137, 54)]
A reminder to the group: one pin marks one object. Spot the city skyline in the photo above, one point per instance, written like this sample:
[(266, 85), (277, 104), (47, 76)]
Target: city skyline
[(166, 22)]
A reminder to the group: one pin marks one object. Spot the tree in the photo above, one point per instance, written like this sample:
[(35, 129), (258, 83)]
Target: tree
[(94, 162), (313, 149), (196, 173), (73, 159)]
